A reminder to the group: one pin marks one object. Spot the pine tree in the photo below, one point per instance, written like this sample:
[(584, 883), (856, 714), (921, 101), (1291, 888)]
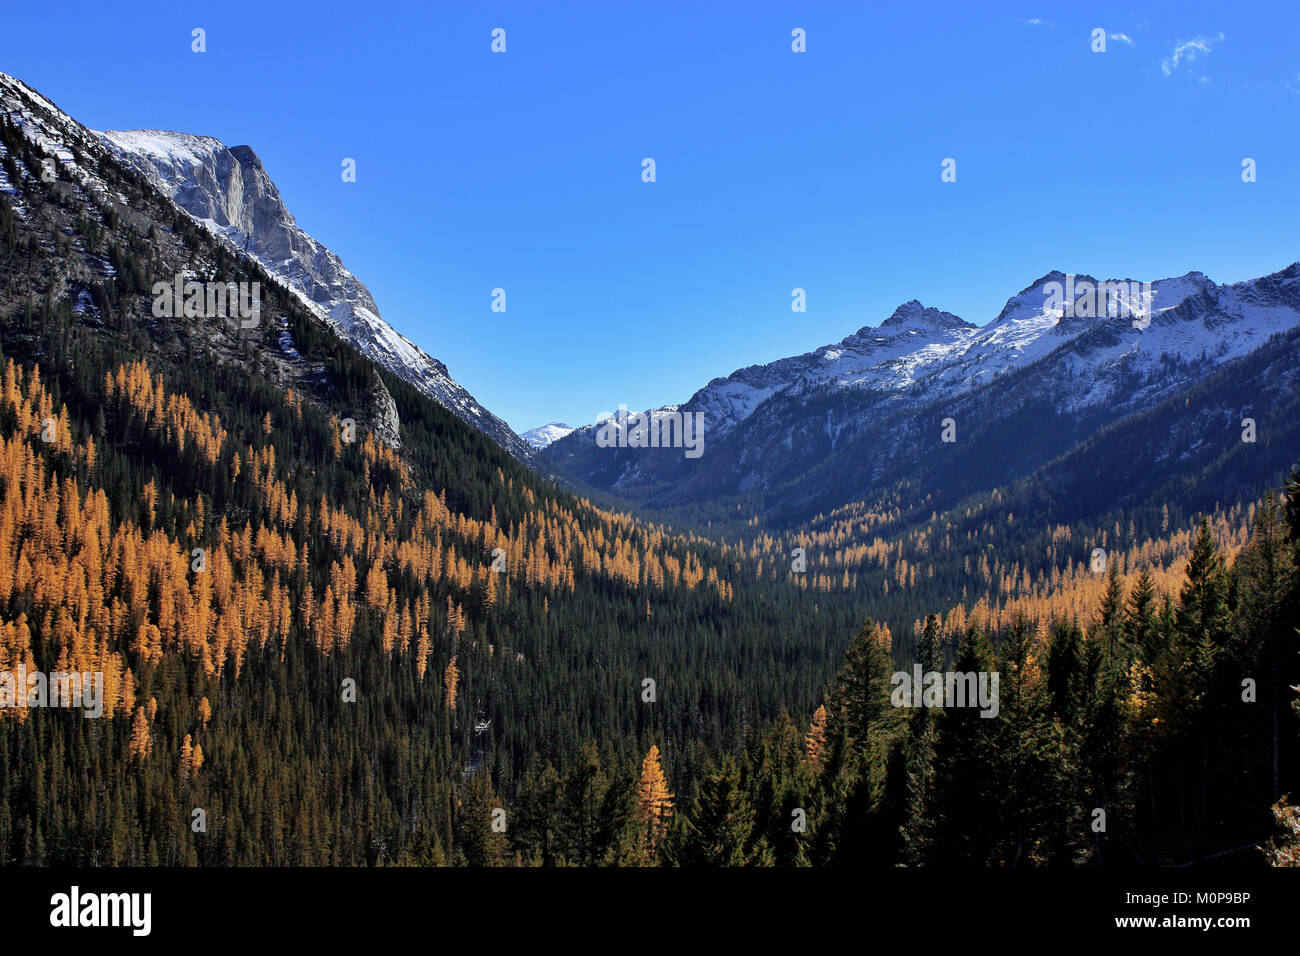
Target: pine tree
[(920, 752), (858, 807), (717, 830), (582, 796), (1026, 770), (962, 814), (1140, 626), (479, 817), (1111, 618), (535, 834), (1265, 643), (1195, 695)]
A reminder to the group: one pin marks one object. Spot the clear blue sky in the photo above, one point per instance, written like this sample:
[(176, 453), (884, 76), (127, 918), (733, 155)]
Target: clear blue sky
[(775, 170)]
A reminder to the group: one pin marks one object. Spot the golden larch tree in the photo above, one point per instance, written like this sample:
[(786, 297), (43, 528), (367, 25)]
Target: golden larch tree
[(654, 801), (816, 742), (141, 742), (450, 682)]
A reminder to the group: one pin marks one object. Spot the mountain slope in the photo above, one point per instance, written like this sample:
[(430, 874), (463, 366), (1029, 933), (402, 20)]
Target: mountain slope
[(108, 238), (229, 192)]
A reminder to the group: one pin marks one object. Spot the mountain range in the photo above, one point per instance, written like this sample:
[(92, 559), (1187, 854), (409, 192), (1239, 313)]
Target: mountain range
[(814, 431), (803, 434)]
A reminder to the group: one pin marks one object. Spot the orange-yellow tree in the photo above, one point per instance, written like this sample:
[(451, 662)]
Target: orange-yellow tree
[(654, 801)]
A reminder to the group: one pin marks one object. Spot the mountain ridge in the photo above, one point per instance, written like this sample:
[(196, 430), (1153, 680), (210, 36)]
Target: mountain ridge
[(768, 424), (229, 192)]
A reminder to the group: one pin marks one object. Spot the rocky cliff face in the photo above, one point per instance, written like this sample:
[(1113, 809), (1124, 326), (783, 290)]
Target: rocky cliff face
[(229, 191), (93, 184)]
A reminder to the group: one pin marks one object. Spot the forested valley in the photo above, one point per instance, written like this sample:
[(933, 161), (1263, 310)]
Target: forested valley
[(350, 651)]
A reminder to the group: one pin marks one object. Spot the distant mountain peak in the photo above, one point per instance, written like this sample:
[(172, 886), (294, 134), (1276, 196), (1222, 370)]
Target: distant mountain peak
[(544, 435), (1056, 275), (1031, 301), (913, 312)]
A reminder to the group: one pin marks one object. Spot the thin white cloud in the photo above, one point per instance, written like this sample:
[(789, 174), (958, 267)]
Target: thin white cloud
[(1038, 22), (1189, 50), (1122, 38)]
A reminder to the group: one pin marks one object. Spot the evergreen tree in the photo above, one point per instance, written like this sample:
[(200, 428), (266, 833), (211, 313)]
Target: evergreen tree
[(717, 830), (962, 812)]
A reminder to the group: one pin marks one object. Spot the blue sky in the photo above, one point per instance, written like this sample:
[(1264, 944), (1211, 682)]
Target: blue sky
[(775, 170)]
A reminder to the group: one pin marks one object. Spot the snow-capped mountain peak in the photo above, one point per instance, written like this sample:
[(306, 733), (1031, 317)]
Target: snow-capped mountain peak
[(228, 191), (913, 315), (543, 435)]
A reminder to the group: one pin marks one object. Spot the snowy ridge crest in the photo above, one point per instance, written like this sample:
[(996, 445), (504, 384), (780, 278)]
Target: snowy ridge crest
[(228, 191)]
